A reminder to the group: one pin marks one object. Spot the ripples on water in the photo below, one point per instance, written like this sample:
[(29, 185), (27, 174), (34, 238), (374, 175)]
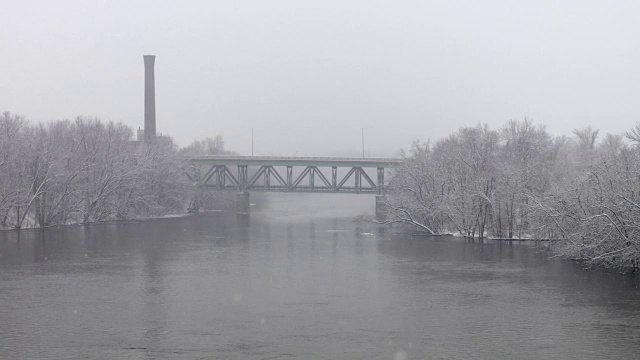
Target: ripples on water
[(287, 285)]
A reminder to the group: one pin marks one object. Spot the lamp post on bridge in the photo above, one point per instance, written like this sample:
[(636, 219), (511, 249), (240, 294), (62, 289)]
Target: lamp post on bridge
[(362, 132)]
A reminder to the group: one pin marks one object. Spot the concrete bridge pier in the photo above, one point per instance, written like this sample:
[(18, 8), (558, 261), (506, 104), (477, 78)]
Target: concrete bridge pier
[(381, 209), (242, 203)]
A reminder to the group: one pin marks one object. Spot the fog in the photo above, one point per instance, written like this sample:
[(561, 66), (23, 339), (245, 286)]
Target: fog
[(147, 244), (308, 76)]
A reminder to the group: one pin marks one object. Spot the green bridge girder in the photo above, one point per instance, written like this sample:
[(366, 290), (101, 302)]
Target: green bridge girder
[(289, 174)]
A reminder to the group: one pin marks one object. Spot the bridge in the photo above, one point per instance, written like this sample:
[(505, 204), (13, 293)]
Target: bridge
[(290, 174)]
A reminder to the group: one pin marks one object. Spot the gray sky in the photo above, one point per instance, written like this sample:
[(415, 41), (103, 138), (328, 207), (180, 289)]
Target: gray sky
[(307, 76)]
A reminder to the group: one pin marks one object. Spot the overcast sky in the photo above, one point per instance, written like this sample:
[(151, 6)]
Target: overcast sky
[(308, 75)]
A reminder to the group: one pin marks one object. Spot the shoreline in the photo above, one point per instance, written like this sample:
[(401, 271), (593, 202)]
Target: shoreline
[(169, 216)]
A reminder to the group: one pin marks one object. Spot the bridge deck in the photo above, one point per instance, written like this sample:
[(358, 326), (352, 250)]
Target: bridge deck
[(300, 189), (231, 160)]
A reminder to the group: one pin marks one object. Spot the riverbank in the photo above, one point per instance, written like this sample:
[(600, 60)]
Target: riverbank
[(141, 219)]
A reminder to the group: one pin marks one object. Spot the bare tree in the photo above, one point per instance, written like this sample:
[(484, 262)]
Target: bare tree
[(87, 170), (12, 137), (586, 137)]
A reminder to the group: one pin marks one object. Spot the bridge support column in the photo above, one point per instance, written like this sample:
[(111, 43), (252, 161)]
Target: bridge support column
[(242, 202), (381, 209)]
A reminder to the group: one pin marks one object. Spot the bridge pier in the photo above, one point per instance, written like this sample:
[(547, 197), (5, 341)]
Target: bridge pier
[(242, 203), (381, 209)]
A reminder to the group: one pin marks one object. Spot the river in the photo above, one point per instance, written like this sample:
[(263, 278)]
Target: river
[(301, 280)]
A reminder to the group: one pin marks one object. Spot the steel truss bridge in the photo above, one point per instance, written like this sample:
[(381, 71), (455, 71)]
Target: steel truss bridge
[(290, 174)]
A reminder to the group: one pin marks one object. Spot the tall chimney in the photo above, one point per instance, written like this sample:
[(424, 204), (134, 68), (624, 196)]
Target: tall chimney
[(149, 97)]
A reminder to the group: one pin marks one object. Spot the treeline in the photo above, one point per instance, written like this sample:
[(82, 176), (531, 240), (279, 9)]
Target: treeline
[(582, 192), (86, 170)]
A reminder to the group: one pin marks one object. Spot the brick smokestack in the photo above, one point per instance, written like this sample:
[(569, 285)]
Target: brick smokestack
[(149, 97)]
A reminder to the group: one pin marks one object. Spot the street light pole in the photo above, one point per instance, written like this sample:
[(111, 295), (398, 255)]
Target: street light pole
[(362, 142)]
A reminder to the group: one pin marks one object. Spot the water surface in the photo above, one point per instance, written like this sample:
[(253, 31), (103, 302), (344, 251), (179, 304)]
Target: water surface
[(301, 280)]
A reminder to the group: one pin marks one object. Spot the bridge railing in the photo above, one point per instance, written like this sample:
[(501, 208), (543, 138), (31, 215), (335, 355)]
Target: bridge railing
[(293, 161), (309, 158)]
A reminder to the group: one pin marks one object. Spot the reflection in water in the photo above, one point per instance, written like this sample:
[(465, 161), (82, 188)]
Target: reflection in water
[(40, 251), (211, 286), (243, 220), (312, 237), (154, 313), (266, 236), (290, 247)]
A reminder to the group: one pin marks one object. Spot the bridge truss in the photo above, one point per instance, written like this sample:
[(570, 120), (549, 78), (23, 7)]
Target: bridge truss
[(280, 174)]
